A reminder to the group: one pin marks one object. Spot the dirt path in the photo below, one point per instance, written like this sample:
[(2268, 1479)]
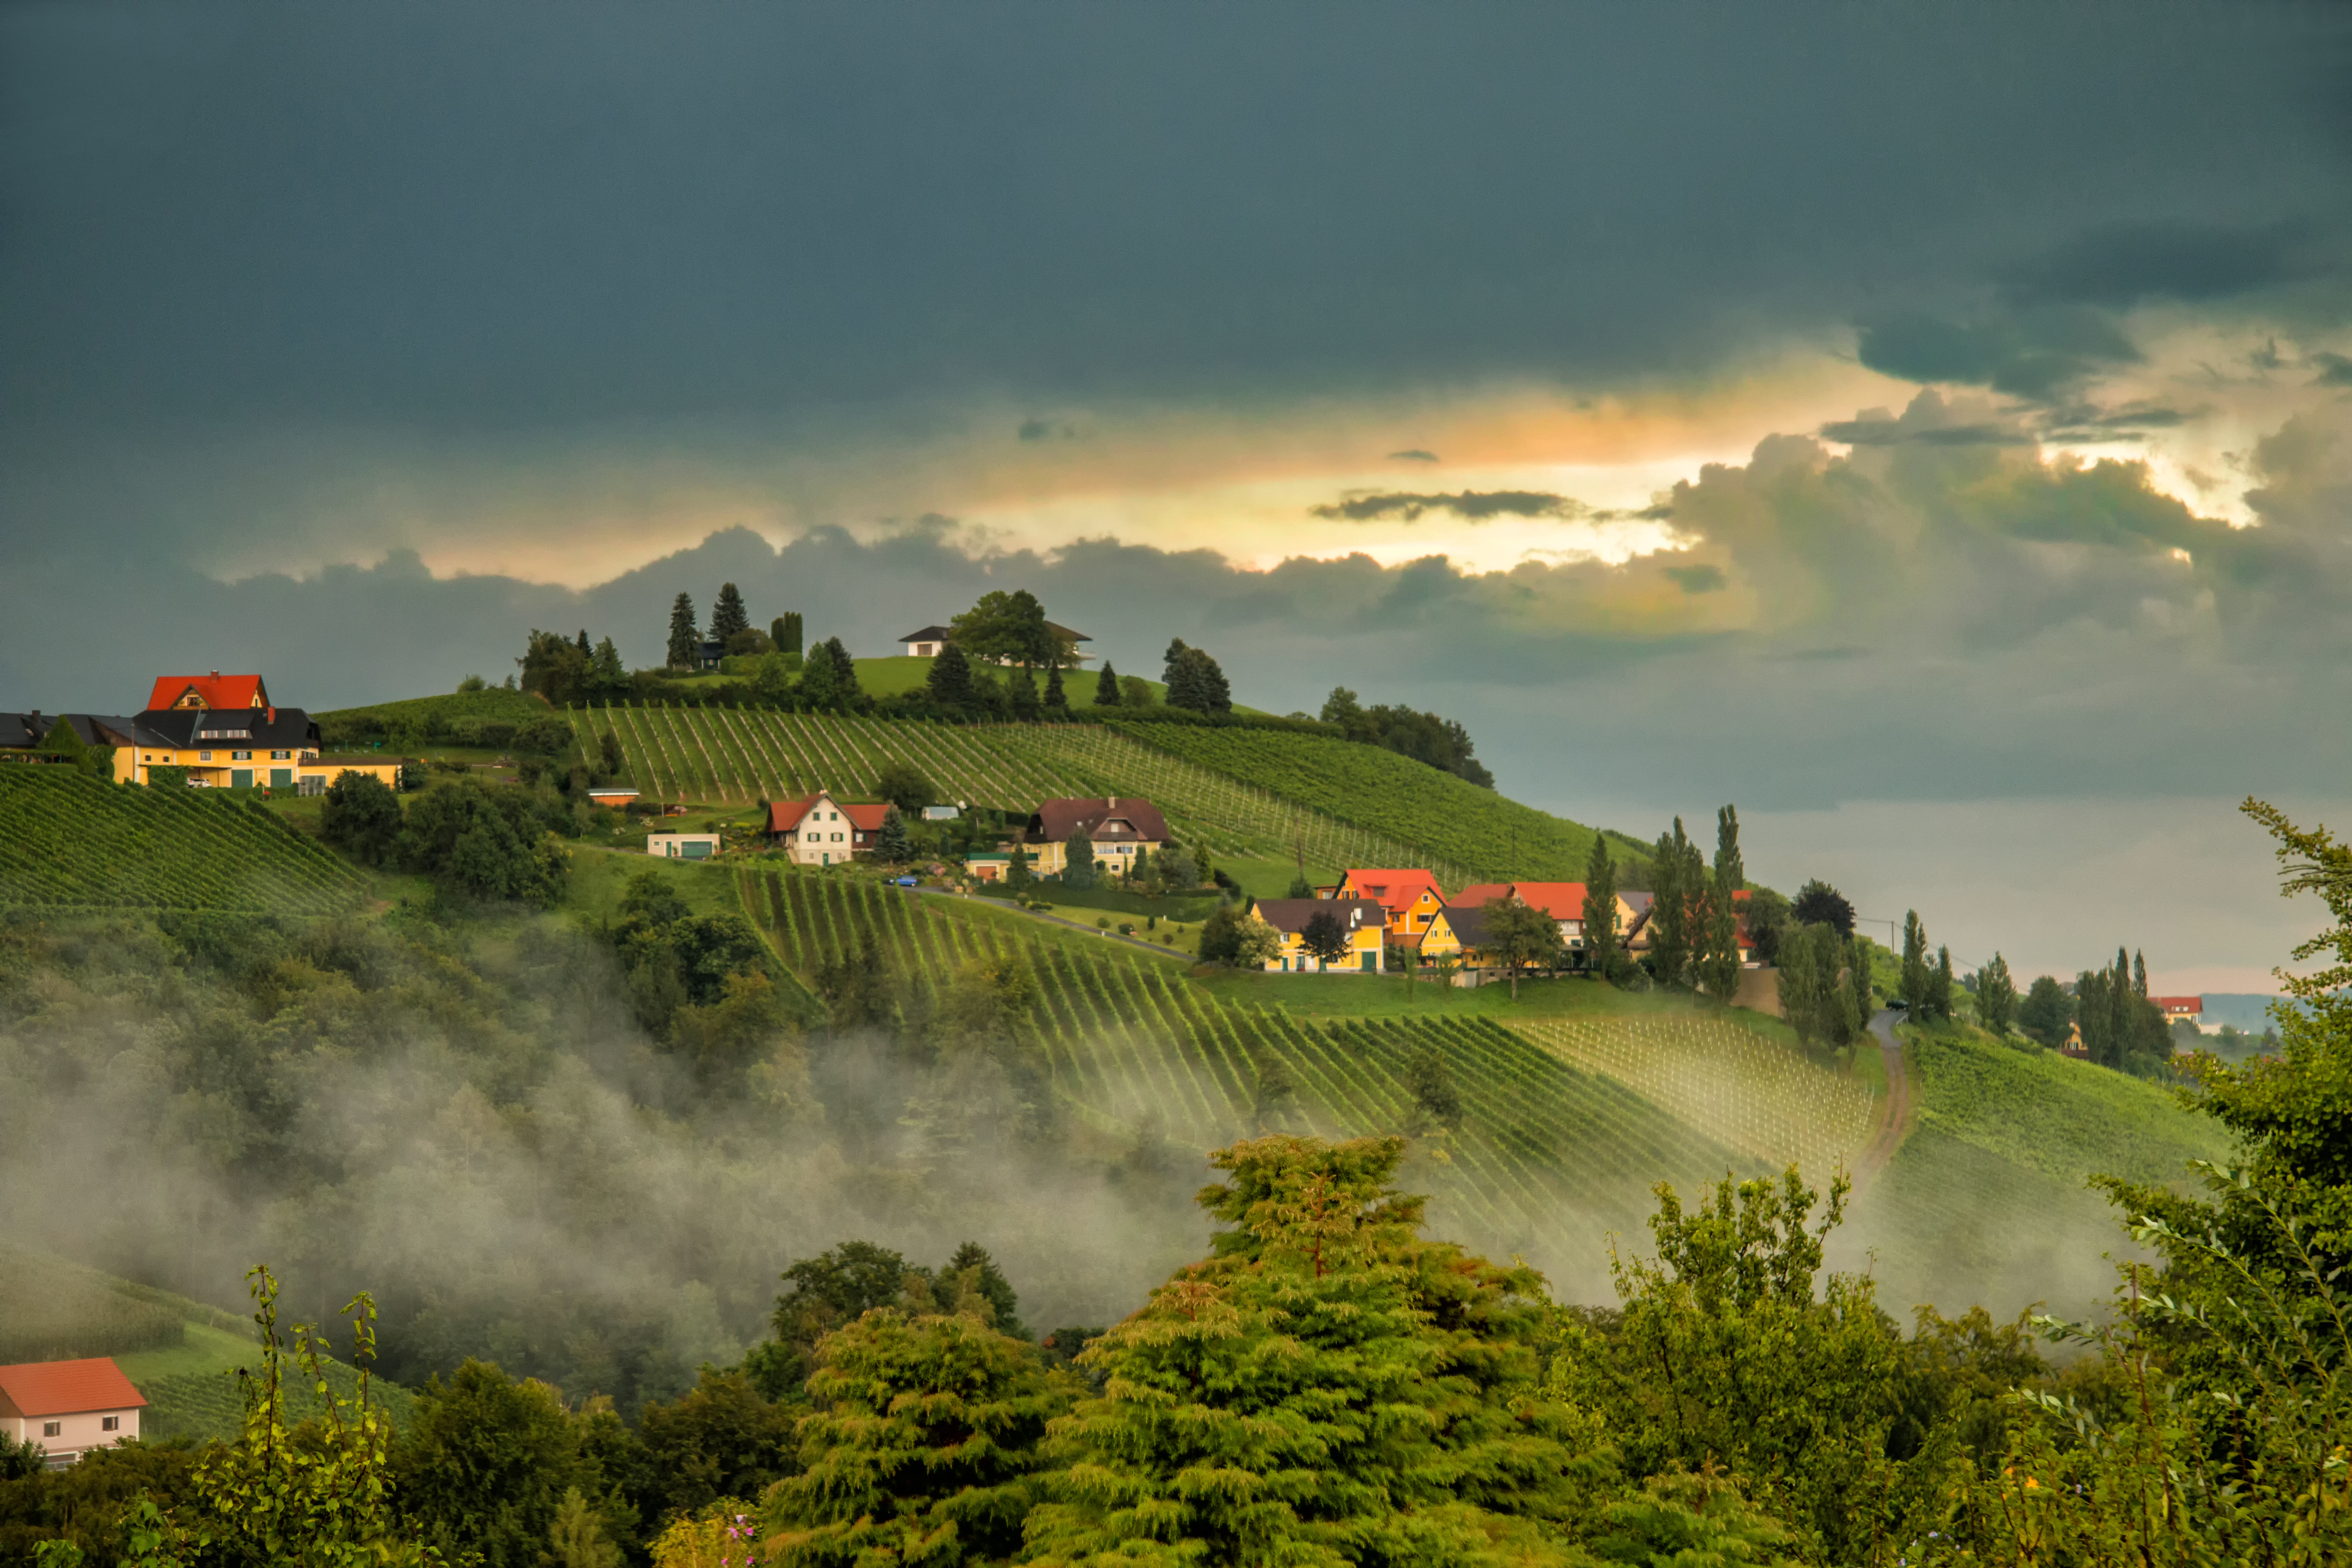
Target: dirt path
[(1895, 1119)]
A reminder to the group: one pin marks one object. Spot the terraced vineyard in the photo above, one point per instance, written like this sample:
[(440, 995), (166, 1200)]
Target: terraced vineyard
[(67, 839), (1762, 1098), (1549, 1156), (1444, 817), (747, 754), (202, 1404)]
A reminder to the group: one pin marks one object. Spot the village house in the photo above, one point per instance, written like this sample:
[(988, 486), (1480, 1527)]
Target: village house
[(1409, 899), (823, 831), (1637, 935), (69, 1407), (225, 731), (1564, 901), (2179, 1009), (929, 642), (1118, 828), (1362, 923), (1457, 932)]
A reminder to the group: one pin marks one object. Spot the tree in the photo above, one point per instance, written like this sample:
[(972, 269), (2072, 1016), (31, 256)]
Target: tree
[(556, 668), (785, 632), (1134, 691), (1939, 985), (821, 1294), (1765, 916), (1106, 687), (923, 1450), (1257, 944), (2046, 1010), (685, 642), (728, 616), (948, 680), (1017, 874), (903, 785), (1915, 964), (360, 816), (1007, 628), (1056, 700), (1996, 997), (1023, 694), (1599, 909), (608, 750), (607, 676), (1677, 872), (1196, 681), (1719, 948), (1078, 858), (1818, 903), (1812, 995), (1858, 983), (892, 846), (1324, 938), (1520, 936), (1342, 709), (1236, 1419), (1276, 1094)]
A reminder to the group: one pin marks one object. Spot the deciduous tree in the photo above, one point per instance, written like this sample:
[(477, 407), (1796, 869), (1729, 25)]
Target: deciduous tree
[(1078, 858), (1915, 964), (1324, 938), (1996, 997), (904, 786), (1818, 903)]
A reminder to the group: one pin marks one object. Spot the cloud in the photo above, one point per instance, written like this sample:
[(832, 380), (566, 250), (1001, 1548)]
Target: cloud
[(1471, 506), (2124, 265), (1702, 578), (1887, 433), (1413, 455), (2335, 370), (2039, 353)]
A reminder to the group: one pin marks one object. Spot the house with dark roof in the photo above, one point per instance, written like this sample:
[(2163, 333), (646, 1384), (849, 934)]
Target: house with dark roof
[(222, 731), (1119, 828), (1564, 901), (1410, 896), (1363, 926), (69, 1407), (823, 831)]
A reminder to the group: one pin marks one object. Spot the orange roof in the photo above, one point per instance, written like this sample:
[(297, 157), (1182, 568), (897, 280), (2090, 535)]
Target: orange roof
[(783, 815), (1392, 890), (214, 690), (67, 1388), (1561, 901), (1478, 893)]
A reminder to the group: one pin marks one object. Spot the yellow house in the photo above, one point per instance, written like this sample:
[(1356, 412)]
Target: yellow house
[(1119, 830), (227, 734), (1362, 923), (1409, 898)]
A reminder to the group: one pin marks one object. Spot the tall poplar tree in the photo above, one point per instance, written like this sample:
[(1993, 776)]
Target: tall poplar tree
[(685, 642), (1718, 944), (784, 631), (1939, 985), (1599, 908), (1915, 963), (1679, 876), (1996, 997), (1858, 982)]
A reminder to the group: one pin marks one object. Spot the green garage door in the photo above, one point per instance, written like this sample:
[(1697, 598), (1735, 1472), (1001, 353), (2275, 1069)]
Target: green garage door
[(281, 778), (697, 850), (240, 778)]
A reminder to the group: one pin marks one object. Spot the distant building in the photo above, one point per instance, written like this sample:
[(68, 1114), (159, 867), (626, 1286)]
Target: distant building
[(929, 642), (1119, 828), (1409, 898), (69, 1407), (1564, 901), (823, 831), (683, 846), (1363, 922), (224, 732), (2179, 1009), (615, 798), (941, 813)]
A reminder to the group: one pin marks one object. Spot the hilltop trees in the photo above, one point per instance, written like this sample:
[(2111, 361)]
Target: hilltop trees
[(1678, 884), (948, 680), (685, 648), (728, 616), (1008, 628), (1818, 903), (1194, 681), (2046, 1010), (1106, 687), (1426, 737), (1599, 909), (1995, 995), (360, 816)]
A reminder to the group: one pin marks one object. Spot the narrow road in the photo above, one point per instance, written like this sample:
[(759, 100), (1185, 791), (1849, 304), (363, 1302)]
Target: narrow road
[(1896, 1118)]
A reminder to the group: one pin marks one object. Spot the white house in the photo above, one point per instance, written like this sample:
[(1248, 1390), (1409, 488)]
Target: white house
[(823, 831), (683, 846), (69, 1407)]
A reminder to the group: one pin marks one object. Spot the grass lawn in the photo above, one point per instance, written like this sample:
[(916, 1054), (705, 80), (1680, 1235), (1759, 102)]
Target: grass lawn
[(599, 874), (1271, 879), (206, 1349), (1186, 932), (1023, 926)]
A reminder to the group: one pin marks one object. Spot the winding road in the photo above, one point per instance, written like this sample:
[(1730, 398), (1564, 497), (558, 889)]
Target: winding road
[(1896, 1120)]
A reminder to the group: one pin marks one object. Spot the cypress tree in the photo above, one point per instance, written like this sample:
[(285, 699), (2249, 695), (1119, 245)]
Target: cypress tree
[(785, 632), (1718, 945), (1106, 687), (1939, 985), (1599, 908), (2140, 976), (1858, 983), (685, 642), (1325, 1388), (1679, 876), (728, 616)]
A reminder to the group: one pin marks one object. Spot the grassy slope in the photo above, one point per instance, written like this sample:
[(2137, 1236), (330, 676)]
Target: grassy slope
[(495, 704), (1987, 1198)]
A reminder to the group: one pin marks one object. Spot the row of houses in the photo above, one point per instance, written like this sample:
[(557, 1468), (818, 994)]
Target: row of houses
[(223, 731)]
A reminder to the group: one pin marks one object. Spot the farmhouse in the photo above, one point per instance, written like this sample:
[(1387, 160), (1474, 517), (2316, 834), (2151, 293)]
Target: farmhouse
[(1564, 901), (1408, 898), (227, 734), (2177, 1009), (69, 1407), (823, 831), (1119, 828), (925, 642), (1362, 923)]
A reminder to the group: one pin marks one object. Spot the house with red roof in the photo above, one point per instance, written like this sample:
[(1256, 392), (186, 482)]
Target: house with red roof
[(1564, 901), (823, 831), (1409, 896), (1120, 828), (69, 1407), (213, 690), (223, 731)]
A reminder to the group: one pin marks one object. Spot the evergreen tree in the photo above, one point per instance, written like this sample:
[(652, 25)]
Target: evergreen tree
[(848, 697), (607, 674), (1326, 1389), (948, 680), (820, 687), (892, 846), (1216, 694), (785, 632), (1436, 1103), (1858, 983), (1812, 995), (1915, 964), (1056, 702), (1169, 661), (1996, 997), (1078, 858), (586, 653), (1677, 872), (924, 1447), (1017, 874), (2139, 975), (1024, 691), (685, 642), (1939, 985), (1106, 687), (1599, 909), (1818, 903), (1718, 960), (728, 616)]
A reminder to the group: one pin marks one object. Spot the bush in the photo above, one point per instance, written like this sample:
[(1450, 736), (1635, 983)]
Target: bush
[(548, 736), (360, 816)]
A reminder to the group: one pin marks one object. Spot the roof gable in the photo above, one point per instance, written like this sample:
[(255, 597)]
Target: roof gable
[(1394, 889), (1561, 901), (1054, 820), (213, 690), (68, 1387), (1478, 893)]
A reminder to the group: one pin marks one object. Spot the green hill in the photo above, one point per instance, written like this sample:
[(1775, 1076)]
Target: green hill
[(68, 840), (458, 718)]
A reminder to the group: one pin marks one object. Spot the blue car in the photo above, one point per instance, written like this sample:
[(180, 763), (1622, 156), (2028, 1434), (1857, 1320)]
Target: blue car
[(904, 881)]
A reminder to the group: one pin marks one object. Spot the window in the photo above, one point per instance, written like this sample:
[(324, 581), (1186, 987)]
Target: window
[(109, 1423), (205, 756), (240, 756), (281, 756), (52, 1428)]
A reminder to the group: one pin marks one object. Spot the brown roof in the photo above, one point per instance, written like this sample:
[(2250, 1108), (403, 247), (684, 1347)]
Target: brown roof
[(67, 1388), (1292, 914), (1053, 820), (783, 815)]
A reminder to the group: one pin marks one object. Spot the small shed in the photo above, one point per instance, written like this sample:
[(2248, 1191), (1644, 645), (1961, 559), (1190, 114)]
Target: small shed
[(683, 846), (941, 813), (69, 1407), (616, 797)]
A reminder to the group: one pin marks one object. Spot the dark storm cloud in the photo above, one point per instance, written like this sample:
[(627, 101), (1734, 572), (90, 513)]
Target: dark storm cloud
[(2126, 264), (2038, 353), (1704, 578), (2335, 370), (1887, 433), (1471, 506)]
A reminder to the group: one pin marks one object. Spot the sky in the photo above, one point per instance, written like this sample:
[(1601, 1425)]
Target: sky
[(1930, 430)]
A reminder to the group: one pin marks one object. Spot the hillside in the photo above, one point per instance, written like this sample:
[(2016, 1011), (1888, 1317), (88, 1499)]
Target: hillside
[(1986, 1199), (456, 718), (67, 839)]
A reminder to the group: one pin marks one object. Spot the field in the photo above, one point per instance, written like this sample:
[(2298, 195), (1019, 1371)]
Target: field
[(68, 840), (1445, 818), (1763, 1099), (745, 755), (1549, 1156)]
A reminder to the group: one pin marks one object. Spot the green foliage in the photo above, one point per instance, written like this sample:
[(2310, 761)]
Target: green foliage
[(485, 842), (728, 616), (892, 844), (1078, 859), (1914, 987), (1818, 903), (67, 839), (1325, 1389), (1194, 681), (1940, 985), (1106, 687), (485, 1464), (1324, 938), (1717, 959), (1995, 998), (786, 631), (360, 816), (1818, 1006), (1134, 691), (1678, 903), (720, 1440), (1009, 628), (2046, 1010), (684, 649), (51, 1310), (698, 982), (1424, 737), (1601, 936), (904, 786), (1681, 1521), (1520, 936)]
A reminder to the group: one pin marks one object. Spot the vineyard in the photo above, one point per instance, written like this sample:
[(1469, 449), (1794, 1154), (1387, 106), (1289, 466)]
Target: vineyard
[(67, 839), (1757, 1096), (1548, 1152), (1378, 791), (723, 755), (202, 1404)]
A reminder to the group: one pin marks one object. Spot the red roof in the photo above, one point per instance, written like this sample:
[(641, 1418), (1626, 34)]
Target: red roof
[(1561, 901), (68, 1387), (1394, 890), (783, 815), (1478, 893), (2180, 1004), (215, 691)]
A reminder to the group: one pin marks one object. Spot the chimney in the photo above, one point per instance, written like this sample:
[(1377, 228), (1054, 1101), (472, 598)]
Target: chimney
[(215, 675)]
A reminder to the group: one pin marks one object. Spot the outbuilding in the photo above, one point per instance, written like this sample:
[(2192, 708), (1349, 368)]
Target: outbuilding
[(69, 1407)]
